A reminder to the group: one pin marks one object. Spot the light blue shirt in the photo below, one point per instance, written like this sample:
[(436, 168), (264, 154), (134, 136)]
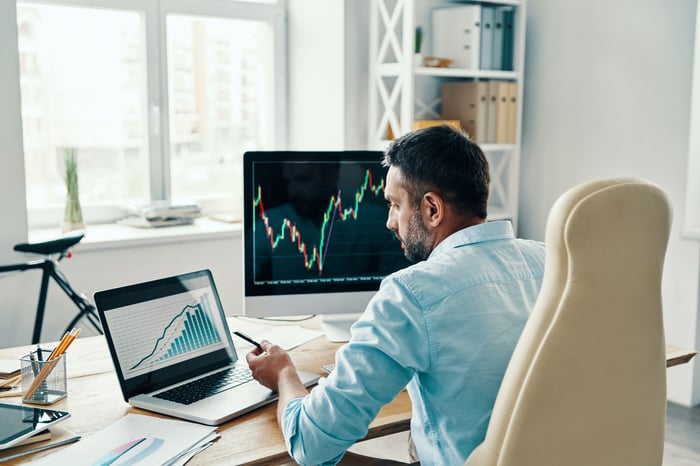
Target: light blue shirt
[(445, 328)]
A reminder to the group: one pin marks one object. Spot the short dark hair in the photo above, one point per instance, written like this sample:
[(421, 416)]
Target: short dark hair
[(444, 160)]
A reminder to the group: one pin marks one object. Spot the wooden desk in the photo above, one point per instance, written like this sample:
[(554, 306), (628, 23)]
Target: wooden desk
[(95, 402), (676, 355)]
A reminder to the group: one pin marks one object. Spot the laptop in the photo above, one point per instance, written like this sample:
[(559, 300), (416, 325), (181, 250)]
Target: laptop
[(173, 352)]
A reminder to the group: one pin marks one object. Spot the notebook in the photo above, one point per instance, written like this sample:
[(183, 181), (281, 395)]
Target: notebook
[(173, 353)]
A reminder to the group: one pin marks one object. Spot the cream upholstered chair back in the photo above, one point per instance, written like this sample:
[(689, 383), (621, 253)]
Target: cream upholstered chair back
[(586, 384)]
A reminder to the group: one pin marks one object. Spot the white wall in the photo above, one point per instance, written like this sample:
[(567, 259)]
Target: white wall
[(328, 69), (316, 75), (607, 93), (14, 224), (356, 74)]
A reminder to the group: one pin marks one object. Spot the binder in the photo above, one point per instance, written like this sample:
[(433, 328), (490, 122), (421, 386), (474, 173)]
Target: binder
[(502, 113), (492, 111), (508, 38), (512, 112), (468, 103), (497, 55), (456, 34), (488, 16)]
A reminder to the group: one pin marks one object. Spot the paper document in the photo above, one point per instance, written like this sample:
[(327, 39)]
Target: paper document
[(137, 439), (288, 337), (285, 336), (9, 367), (11, 385)]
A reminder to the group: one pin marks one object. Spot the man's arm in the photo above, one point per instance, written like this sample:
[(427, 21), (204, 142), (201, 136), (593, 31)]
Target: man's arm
[(273, 368), (388, 347)]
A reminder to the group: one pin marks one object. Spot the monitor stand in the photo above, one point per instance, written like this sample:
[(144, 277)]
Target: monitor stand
[(337, 326)]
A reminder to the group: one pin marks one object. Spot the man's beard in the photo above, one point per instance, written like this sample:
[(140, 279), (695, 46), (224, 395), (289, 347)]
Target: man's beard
[(416, 242)]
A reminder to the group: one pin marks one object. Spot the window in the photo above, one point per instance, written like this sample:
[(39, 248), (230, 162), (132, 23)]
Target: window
[(219, 77), (148, 119), (84, 94)]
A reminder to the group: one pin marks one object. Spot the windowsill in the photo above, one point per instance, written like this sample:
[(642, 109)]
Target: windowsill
[(112, 236)]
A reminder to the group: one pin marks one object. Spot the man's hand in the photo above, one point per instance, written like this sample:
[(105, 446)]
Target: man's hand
[(268, 363), (272, 367)]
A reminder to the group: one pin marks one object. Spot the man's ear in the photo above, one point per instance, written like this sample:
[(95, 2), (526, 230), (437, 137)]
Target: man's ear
[(432, 208)]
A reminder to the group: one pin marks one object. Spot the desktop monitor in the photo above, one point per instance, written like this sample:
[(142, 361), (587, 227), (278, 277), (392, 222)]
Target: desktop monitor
[(315, 238)]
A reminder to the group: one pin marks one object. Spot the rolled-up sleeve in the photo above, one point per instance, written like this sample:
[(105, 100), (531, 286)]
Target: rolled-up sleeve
[(389, 345)]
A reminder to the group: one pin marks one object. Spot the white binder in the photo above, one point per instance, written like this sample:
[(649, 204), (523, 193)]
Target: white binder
[(456, 33)]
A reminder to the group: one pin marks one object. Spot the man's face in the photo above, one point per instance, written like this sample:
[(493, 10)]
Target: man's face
[(405, 219)]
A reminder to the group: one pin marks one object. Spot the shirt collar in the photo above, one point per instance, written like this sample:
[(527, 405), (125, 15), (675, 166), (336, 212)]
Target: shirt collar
[(489, 231)]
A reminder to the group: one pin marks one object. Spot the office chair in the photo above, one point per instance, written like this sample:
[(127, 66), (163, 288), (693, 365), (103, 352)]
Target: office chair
[(54, 251), (586, 384)]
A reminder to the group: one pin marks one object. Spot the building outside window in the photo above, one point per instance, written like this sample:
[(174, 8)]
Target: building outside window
[(148, 118)]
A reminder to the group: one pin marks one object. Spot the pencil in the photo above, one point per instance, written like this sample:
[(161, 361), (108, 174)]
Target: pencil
[(73, 335), (60, 344), (63, 345), (248, 339)]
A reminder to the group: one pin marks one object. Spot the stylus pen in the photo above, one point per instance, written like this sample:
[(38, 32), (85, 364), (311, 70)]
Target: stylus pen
[(42, 448), (248, 339)]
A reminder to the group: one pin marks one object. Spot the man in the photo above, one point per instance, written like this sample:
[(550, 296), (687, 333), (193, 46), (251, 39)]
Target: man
[(445, 327)]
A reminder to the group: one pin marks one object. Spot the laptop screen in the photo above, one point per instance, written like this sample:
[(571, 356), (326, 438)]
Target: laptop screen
[(163, 331)]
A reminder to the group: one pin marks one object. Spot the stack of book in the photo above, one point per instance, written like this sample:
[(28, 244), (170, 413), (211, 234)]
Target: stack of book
[(10, 377), (161, 214)]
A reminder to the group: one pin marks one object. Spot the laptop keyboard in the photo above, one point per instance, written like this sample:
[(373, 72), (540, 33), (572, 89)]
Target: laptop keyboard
[(207, 386)]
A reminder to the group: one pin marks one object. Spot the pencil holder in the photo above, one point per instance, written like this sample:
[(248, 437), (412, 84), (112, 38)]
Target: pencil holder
[(43, 382)]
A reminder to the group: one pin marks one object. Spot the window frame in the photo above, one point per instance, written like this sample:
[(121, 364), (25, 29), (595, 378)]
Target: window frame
[(155, 13)]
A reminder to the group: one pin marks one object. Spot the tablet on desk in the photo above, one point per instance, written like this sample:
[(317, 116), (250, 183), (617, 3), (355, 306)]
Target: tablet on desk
[(20, 422)]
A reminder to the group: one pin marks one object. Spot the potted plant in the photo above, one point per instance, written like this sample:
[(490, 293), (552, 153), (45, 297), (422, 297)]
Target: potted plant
[(73, 215), (417, 46)]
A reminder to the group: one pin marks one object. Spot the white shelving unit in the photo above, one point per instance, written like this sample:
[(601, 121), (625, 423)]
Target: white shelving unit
[(401, 91)]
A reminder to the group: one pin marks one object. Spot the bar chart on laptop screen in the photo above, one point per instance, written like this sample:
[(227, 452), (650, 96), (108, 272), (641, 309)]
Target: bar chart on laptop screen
[(161, 332)]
